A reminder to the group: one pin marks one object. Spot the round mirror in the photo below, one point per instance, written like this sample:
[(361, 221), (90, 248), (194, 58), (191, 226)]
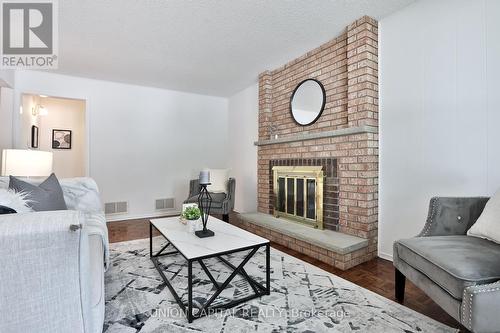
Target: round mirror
[(307, 102)]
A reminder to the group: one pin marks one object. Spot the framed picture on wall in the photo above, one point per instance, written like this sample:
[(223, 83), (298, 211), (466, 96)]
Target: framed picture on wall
[(34, 136), (61, 139)]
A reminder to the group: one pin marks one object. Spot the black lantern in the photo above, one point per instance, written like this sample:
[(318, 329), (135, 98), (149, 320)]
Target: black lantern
[(204, 203)]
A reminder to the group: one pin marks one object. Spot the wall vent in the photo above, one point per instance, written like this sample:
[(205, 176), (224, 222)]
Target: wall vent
[(111, 208), (163, 204)]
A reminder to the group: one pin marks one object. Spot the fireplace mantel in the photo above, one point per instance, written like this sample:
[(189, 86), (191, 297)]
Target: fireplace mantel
[(319, 135)]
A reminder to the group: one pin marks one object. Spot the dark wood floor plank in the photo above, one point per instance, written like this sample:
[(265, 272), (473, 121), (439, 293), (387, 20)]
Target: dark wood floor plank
[(376, 275)]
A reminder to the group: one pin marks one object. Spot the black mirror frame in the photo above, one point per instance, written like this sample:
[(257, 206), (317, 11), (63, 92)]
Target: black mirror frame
[(322, 106)]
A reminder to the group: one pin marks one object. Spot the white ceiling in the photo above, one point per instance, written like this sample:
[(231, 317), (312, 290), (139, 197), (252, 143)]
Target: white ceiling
[(214, 47)]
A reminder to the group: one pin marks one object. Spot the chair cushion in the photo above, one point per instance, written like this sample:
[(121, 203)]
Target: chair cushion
[(217, 199), (452, 262)]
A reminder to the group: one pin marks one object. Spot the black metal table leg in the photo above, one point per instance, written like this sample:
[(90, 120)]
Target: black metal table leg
[(190, 292), (254, 284), (228, 280), (169, 286), (210, 276), (162, 249), (150, 239), (268, 269)]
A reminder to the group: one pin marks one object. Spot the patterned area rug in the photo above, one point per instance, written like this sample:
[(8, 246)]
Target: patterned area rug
[(303, 298)]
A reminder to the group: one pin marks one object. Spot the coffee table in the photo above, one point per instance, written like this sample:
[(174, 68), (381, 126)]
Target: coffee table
[(228, 239)]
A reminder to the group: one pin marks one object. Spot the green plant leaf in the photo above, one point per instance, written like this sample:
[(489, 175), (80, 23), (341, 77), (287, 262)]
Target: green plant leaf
[(191, 213)]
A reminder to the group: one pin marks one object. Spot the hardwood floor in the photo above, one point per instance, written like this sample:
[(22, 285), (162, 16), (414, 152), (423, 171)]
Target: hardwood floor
[(376, 275)]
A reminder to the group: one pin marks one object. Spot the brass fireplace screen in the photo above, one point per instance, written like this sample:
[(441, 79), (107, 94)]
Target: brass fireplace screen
[(298, 191)]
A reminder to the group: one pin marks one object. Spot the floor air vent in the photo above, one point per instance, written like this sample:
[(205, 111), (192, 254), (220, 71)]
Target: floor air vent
[(115, 207), (163, 204)]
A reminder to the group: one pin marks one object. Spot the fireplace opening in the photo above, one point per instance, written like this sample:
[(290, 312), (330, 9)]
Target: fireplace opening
[(298, 191)]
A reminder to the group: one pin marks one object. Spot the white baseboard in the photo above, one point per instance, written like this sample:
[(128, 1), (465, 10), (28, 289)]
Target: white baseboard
[(114, 218), (385, 256)]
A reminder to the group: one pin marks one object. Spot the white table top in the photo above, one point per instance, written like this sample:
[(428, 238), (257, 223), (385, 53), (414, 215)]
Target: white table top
[(227, 237)]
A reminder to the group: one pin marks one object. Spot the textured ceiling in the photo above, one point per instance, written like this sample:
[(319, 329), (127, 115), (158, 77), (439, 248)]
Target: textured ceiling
[(214, 47)]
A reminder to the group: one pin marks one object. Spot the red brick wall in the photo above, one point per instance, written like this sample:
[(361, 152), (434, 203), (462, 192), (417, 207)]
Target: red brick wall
[(362, 69), (328, 64), (347, 67)]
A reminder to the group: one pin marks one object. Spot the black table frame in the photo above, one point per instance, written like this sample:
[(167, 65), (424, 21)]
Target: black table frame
[(258, 289)]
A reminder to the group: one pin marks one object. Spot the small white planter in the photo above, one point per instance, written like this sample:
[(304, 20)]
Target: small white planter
[(194, 225)]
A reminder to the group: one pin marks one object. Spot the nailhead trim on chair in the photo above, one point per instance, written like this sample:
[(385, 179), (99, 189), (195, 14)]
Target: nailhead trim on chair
[(430, 218), (470, 310), (474, 292), (487, 290), (463, 304)]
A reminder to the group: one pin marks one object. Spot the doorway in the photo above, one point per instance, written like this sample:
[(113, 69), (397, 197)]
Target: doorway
[(57, 125)]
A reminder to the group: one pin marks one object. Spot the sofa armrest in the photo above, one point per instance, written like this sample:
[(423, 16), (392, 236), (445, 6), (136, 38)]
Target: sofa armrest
[(480, 306), (81, 194), (452, 216), (43, 272)]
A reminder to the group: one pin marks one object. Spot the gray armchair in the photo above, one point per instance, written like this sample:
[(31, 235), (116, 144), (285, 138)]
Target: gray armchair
[(460, 273), (222, 203)]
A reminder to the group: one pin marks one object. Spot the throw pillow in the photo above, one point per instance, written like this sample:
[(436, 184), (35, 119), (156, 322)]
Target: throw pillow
[(16, 201), (488, 224), (47, 196), (218, 180)]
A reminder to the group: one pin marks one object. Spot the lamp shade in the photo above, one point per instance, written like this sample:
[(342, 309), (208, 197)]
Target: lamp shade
[(26, 163)]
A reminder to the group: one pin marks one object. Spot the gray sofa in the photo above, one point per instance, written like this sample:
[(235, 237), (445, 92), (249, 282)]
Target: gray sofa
[(52, 264), (459, 272), (222, 203)]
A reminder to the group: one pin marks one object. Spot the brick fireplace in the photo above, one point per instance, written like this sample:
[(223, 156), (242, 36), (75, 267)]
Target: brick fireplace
[(344, 140)]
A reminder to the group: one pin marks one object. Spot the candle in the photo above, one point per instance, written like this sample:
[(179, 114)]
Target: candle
[(204, 177)]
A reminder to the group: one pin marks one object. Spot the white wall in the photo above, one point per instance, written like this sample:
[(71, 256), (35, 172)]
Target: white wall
[(144, 143), (66, 114), (243, 132), (7, 78), (439, 112), (6, 106)]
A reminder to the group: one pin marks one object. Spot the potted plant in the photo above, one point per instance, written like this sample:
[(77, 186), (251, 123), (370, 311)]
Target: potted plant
[(192, 215)]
